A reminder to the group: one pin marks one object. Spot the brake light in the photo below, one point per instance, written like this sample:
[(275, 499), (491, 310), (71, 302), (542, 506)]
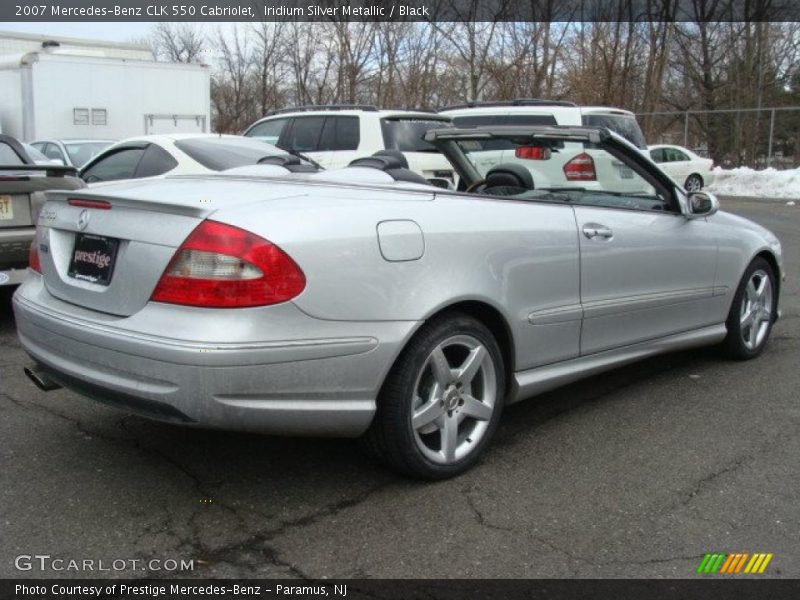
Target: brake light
[(532, 152), (221, 266), (33, 257), (101, 204), (580, 168)]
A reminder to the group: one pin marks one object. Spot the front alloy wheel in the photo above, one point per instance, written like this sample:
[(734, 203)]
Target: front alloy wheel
[(755, 313), (441, 401), (752, 312)]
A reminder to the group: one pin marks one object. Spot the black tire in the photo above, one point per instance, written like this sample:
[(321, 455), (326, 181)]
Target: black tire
[(691, 181), (392, 438), (734, 344)]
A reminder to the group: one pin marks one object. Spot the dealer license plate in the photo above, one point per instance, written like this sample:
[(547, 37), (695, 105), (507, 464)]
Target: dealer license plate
[(93, 258)]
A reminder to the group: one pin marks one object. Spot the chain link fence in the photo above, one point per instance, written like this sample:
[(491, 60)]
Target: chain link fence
[(750, 137)]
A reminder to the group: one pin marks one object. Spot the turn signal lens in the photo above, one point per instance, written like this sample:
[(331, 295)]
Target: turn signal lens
[(221, 266)]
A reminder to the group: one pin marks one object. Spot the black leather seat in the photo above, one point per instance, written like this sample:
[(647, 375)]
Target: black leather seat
[(292, 164), (395, 154), (391, 162), (508, 179)]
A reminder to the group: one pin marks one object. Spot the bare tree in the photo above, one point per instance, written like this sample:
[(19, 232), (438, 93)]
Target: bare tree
[(311, 60), (354, 42), (271, 64), (177, 42), (232, 90), (471, 43)]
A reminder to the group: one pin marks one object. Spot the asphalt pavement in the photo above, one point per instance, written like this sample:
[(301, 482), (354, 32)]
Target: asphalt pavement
[(635, 473)]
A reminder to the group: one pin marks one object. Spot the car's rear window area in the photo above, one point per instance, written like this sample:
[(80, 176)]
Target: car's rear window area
[(490, 120), (219, 154), (81, 153), (624, 125), (406, 134)]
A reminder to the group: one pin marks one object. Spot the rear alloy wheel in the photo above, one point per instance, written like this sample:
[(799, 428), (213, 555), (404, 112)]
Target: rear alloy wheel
[(694, 183), (442, 400), (753, 312)]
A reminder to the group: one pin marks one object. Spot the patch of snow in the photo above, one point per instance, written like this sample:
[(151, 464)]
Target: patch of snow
[(766, 183)]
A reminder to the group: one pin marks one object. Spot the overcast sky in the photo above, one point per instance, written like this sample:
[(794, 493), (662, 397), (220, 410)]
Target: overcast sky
[(113, 32)]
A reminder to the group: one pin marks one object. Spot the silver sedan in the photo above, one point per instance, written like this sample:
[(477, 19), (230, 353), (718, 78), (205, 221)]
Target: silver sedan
[(367, 302)]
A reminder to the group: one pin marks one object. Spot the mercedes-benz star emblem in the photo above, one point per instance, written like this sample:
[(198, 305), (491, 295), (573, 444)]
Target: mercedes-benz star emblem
[(83, 219)]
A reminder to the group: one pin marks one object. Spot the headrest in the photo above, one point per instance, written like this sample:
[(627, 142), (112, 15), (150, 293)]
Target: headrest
[(394, 154), (383, 163), (288, 162), (392, 162), (509, 174)]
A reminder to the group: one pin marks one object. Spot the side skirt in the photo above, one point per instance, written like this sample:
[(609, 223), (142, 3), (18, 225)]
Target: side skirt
[(541, 379)]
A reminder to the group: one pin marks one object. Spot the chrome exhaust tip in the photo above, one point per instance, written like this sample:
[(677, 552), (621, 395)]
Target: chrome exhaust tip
[(41, 380)]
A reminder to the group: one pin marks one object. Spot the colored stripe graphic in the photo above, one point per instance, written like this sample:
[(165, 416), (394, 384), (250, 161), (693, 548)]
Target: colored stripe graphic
[(764, 564), (703, 563), (741, 562), (751, 564), (720, 562), (726, 566)]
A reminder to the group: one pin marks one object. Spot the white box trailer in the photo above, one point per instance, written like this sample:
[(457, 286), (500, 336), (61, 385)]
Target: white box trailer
[(61, 95)]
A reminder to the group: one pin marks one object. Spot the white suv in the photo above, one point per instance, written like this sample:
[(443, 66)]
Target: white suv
[(570, 165), (335, 135)]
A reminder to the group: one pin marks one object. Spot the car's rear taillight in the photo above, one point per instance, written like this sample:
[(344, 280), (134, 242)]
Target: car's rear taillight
[(221, 266), (580, 168), (532, 152), (33, 257)]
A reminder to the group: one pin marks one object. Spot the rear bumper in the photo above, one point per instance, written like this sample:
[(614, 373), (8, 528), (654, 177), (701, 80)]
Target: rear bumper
[(316, 382)]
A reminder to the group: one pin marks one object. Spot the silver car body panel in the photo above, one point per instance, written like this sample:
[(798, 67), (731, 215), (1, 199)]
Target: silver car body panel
[(272, 369), (380, 258)]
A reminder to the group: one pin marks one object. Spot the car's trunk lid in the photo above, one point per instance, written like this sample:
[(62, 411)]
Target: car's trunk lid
[(145, 222)]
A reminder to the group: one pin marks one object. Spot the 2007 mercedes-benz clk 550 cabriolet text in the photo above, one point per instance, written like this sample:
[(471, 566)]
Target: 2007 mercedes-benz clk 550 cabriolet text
[(366, 302)]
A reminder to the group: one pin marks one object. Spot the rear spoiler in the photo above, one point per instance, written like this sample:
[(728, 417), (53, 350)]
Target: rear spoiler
[(49, 170)]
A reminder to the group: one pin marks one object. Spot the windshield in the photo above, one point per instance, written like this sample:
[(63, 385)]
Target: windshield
[(624, 125), (221, 153), (559, 170), (82, 152), (406, 134)]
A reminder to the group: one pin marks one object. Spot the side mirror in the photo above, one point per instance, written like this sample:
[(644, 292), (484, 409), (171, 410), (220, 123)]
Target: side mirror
[(57, 161), (702, 204)]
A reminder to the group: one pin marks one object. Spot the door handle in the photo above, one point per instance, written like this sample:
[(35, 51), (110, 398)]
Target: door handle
[(593, 230)]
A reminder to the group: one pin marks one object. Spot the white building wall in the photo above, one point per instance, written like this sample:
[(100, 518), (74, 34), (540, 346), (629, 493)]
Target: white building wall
[(126, 90), (11, 103)]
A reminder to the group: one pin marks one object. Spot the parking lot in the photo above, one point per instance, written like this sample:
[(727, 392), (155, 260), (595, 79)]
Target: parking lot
[(636, 473)]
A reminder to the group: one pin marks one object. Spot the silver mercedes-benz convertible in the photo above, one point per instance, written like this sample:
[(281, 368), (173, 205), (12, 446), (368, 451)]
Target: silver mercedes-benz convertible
[(368, 301)]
